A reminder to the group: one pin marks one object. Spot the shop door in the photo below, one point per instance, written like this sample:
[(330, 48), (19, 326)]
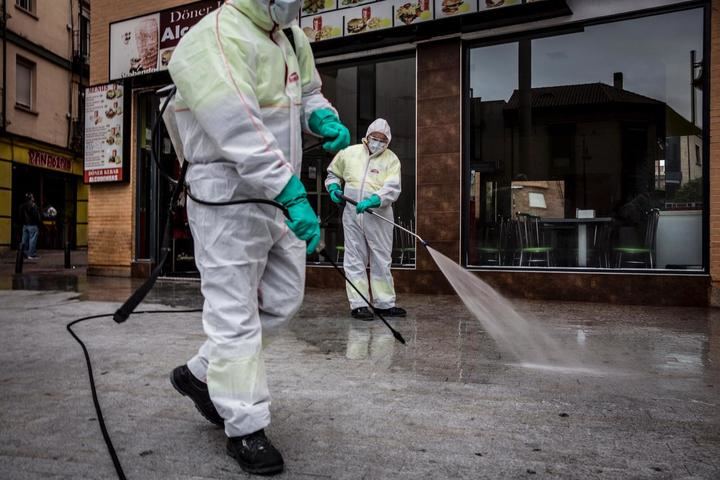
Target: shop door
[(55, 195), (153, 195)]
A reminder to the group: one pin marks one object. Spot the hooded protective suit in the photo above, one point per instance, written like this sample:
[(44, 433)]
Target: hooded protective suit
[(243, 98), (367, 238)]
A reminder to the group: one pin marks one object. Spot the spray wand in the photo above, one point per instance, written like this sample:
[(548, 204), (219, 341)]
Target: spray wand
[(372, 212)]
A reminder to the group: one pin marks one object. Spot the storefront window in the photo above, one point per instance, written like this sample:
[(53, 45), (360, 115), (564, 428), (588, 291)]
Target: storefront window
[(585, 150), (362, 92), (55, 195)]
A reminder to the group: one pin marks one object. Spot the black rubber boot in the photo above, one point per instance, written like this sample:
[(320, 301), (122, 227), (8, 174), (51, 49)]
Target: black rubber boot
[(186, 383), (392, 312), (256, 454), (363, 313)]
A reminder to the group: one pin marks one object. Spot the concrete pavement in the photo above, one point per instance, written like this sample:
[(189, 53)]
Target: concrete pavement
[(350, 403)]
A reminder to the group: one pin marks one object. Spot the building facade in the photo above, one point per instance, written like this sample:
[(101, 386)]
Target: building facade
[(45, 58), (560, 149)]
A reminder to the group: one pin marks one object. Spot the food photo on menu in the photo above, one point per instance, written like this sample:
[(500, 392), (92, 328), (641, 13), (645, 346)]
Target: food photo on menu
[(113, 93), (368, 18), (488, 4), (349, 3), (113, 137), (311, 7), (114, 158), (453, 6), (448, 8), (408, 13), (323, 27), (114, 110)]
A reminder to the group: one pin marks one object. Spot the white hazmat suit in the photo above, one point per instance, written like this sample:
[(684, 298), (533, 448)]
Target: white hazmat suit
[(243, 98), (368, 240)]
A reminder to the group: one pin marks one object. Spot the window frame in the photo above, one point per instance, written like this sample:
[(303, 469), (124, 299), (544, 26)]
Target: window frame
[(30, 10), (85, 29), (32, 67), (535, 34)]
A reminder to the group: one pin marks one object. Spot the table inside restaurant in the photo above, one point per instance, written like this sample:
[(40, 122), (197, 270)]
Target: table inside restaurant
[(581, 224)]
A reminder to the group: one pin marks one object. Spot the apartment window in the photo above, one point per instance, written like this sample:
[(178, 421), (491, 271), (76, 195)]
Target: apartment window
[(24, 77), (84, 36), (28, 5)]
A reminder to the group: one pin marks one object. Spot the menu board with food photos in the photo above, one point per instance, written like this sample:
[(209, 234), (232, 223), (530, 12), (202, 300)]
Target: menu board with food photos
[(104, 134), (326, 19)]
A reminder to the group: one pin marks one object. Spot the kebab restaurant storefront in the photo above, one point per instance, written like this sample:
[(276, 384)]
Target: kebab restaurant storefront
[(558, 148)]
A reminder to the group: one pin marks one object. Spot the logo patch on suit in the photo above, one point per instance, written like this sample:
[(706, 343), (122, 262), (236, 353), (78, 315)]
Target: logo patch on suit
[(294, 77), (375, 171)]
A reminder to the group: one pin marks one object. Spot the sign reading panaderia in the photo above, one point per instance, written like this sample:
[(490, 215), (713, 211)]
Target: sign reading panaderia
[(145, 44), (326, 19)]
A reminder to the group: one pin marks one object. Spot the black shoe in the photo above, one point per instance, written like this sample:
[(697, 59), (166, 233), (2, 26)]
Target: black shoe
[(363, 313), (256, 454), (391, 312), (186, 383)]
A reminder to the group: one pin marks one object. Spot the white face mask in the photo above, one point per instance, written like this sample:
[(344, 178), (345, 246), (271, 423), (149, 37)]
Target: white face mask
[(283, 12), (376, 146)]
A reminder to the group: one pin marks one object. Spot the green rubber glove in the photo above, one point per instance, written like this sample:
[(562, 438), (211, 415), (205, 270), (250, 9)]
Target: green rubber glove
[(325, 123), (335, 193), (373, 201), (303, 222)]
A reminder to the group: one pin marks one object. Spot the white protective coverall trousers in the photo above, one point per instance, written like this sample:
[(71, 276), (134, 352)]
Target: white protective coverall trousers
[(368, 240), (242, 100)]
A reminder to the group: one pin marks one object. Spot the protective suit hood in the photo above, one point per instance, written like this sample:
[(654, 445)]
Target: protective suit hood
[(381, 126), (378, 126), (258, 11)]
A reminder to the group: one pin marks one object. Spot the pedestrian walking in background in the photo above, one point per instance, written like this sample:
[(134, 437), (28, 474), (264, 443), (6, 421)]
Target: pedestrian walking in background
[(29, 215)]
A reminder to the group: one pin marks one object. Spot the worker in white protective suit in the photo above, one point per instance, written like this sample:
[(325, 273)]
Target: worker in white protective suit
[(368, 173), (244, 95)]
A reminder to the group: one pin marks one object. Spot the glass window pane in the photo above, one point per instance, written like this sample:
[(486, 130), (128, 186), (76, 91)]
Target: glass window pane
[(23, 85), (362, 92), (604, 124)]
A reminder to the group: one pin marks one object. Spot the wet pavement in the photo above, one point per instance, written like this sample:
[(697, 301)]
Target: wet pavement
[(351, 403)]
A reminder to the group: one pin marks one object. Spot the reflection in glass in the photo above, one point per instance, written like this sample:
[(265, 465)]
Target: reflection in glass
[(597, 137)]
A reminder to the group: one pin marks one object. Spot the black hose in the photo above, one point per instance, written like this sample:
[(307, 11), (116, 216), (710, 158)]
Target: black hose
[(127, 308), (91, 379), (263, 201)]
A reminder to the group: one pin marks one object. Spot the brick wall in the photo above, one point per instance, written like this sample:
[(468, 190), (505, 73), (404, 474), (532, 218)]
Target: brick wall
[(111, 207)]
